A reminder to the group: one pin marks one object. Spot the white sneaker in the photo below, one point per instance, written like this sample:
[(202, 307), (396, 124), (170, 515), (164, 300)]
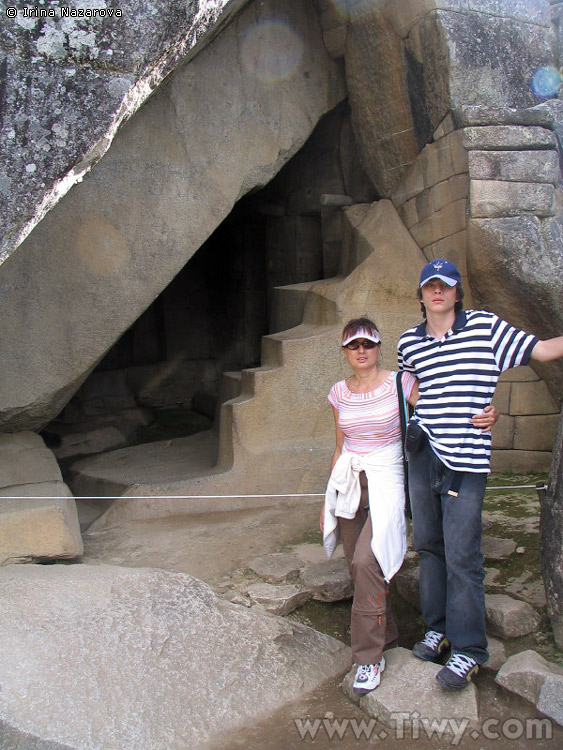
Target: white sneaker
[(368, 677)]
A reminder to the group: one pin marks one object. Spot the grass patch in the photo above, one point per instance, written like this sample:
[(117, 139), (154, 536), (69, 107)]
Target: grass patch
[(331, 618)]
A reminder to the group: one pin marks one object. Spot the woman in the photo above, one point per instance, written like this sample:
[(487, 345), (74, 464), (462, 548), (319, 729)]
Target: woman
[(364, 504)]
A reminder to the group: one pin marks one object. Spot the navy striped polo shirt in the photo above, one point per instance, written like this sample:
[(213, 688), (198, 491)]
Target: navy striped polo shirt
[(457, 378)]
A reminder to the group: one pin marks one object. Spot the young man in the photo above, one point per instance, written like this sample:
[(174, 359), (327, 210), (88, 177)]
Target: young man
[(457, 357)]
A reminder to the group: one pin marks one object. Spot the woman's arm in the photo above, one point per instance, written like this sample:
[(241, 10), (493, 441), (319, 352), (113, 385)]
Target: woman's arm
[(339, 439), (335, 457)]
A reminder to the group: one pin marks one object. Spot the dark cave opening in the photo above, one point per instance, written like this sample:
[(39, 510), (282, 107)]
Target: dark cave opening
[(162, 378)]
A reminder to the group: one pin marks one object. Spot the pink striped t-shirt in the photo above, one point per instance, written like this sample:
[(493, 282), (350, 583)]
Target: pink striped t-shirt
[(369, 420)]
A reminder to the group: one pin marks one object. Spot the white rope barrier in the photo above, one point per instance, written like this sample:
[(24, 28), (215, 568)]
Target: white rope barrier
[(221, 497)]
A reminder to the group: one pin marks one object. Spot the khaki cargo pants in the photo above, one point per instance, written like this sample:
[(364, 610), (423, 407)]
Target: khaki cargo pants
[(373, 627)]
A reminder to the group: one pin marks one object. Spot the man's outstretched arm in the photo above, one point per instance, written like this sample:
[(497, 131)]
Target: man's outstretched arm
[(548, 350)]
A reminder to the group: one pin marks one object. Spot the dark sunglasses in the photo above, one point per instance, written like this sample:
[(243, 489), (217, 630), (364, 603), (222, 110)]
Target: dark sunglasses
[(356, 343)]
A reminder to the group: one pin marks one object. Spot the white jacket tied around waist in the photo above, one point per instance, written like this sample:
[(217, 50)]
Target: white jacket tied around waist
[(384, 472)]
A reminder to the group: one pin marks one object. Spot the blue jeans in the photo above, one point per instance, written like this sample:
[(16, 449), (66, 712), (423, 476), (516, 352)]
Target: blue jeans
[(447, 535)]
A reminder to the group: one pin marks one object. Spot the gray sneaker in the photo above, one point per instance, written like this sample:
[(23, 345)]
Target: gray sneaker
[(431, 647)]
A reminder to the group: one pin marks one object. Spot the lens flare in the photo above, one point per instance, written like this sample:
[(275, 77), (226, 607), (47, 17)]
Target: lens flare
[(271, 50), (354, 9), (341, 7), (546, 82)]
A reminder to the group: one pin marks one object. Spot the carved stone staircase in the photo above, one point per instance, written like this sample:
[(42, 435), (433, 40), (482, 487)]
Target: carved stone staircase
[(273, 434)]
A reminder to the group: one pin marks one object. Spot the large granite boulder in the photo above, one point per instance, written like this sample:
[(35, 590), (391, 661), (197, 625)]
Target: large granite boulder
[(220, 126), (97, 656), (69, 81)]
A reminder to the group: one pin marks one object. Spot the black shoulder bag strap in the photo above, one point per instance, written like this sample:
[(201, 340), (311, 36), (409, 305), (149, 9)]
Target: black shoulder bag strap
[(405, 413)]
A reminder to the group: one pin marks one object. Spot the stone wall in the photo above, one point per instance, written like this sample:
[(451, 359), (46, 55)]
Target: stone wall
[(409, 63), (524, 435), (515, 222), (487, 166), (465, 148), (432, 199)]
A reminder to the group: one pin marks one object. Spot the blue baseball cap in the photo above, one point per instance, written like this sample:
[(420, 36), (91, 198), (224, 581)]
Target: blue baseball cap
[(441, 269)]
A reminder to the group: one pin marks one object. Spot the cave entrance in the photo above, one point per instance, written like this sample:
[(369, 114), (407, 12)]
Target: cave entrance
[(161, 379)]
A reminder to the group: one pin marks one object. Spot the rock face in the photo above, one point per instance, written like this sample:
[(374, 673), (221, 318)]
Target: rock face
[(508, 254), (174, 172), (68, 83), (551, 523), (379, 98), (432, 56), (254, 427), (143, 658)]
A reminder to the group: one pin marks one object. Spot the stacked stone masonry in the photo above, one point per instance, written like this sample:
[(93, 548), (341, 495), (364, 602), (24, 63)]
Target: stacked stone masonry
[(524, 435), (432, 200), (489, 164)]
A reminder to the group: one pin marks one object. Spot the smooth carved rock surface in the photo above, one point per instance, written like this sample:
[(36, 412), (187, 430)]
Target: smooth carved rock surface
[(376, 240), (493, 116), (68, 84), (24, 459), (172, 174), (45, 525), (156, 654), (509, 137), (499, 199), (515, 166), (38, 529), (379, 99)]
